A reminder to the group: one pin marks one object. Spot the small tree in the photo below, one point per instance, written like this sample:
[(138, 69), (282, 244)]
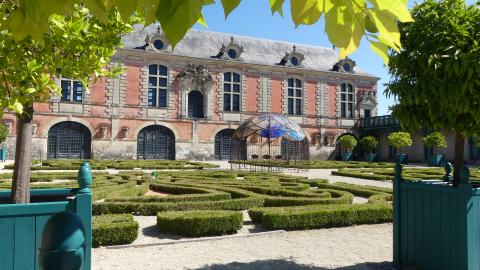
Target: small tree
[(348, 142), (435, 139), (435, 77), (369, 143), (399, 139)]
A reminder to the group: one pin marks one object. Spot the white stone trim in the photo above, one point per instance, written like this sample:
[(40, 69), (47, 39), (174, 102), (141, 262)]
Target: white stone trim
[(285, 96), (339, 100), (144, 71)]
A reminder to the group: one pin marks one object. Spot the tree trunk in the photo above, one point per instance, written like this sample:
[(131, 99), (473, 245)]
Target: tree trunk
[(458, 160), (23, 158)]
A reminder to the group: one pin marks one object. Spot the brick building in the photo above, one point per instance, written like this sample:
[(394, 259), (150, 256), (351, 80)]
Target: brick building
[(183, 103)]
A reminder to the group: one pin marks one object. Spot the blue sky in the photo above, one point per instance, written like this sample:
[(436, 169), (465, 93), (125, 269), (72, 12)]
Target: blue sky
[(252, 18)]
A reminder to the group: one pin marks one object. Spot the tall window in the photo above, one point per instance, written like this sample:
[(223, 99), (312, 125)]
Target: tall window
[(294, 96), (346, 100), (231, 92), (157, 86), (72, 90)]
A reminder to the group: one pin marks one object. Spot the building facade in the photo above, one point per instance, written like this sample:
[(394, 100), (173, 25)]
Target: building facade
[(184, 103)]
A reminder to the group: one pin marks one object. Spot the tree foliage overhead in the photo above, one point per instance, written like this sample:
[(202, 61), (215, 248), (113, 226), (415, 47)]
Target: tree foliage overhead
[(347, 21), (436, 77), (75, 46)]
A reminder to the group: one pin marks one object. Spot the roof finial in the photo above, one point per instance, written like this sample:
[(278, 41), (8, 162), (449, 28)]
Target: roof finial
[(294, 48), (231, 39), (159, 29)]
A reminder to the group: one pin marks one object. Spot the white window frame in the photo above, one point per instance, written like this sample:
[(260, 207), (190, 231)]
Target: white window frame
[(231, 93), (157, 88), (71, 82), (295, 97)]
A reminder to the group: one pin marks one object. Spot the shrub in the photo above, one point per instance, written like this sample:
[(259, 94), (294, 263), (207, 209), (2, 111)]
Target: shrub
[(399, 139), (369, 143), (199, 223), (114, 230), (314, 217), (348, 142)]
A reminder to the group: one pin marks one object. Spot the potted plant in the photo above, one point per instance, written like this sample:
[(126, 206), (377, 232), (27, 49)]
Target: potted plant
[(369, 143), (435, 140), (348, 142), (3, 136), (398, 140)]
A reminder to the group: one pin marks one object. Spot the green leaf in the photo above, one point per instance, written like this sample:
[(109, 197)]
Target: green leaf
[(229, 6), (177, 17), (338, 23), (148, 9), (306, 11), (396, 8), (380, 49), (202, 22), (276, 6), (387, 28)]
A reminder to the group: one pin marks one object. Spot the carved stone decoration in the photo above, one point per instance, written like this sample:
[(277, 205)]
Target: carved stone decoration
[(125, 132), (195, 78), (34, 129), (367, 97), (103, 132), (292, 59), (345, 65), (197, 74), (231, 51)]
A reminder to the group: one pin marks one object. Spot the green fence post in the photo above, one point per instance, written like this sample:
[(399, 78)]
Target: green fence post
[(396, 214), (84, 207)]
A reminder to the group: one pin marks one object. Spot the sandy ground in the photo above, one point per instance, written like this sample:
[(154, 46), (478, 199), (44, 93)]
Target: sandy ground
[(365, 247)]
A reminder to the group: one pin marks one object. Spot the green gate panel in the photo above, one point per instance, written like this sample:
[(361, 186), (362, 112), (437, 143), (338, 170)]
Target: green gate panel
[(7, 243)]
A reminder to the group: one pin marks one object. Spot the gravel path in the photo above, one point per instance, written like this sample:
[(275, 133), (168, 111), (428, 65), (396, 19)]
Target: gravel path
[(365, 247)]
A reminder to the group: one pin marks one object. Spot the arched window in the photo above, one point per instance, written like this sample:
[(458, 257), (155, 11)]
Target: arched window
[(294, 96), (72, 90), (346, 100), (157, 85), (231, 92)]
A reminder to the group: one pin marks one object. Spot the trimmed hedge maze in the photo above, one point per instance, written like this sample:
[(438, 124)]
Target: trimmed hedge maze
[(316, 164), (202, 202), (408, 173), (69, 164)]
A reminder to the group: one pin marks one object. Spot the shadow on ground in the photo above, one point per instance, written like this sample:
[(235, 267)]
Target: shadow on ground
[(290, 265)]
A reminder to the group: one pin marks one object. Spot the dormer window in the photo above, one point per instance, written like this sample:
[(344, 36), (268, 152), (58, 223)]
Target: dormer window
[(345, 65), (292, 59), (232, 54), (158, 44), (155, 42), (231, 51)]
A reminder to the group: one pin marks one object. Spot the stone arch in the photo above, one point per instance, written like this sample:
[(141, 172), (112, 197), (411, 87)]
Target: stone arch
[(57, 120), (154, 123), (69, 140)]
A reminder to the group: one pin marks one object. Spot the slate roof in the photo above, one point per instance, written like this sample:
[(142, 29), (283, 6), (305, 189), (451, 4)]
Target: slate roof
[(206, 44)]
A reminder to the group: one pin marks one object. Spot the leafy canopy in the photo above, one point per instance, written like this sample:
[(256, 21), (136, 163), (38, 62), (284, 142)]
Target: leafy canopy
[(348, 142), (3, 133), (346, 21), (436, 77), (74, 46), (399, 139), (435, 139), (369, 143)]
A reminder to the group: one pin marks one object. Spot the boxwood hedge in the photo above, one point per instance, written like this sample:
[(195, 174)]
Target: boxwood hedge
[(199, 223), (114, 230)]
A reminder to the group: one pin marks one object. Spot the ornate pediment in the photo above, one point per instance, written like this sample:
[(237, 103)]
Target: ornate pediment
[(367, 98), (345, 65), (198, 74), (292, 59)]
